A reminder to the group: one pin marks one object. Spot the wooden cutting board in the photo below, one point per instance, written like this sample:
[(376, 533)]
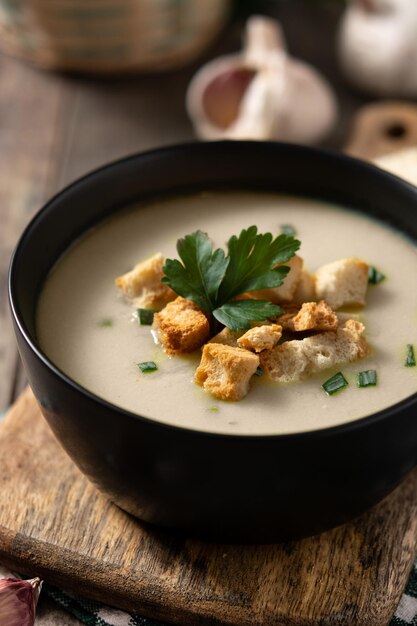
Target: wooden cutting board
[(55, 524)]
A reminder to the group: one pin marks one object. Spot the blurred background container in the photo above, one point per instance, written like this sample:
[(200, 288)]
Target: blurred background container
[(109, 36)]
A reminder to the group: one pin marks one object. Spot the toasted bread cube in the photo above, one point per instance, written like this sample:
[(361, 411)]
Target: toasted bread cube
[(305, 290), (182, 326), (285, 292), (342, 283), (260, 338), (310, 316), (296, 360), (286, 319), (143, 284), (227, 337), (315, 316), (225, 371)]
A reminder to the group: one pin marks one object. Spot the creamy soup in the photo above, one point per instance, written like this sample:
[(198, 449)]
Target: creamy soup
[(89, 331)]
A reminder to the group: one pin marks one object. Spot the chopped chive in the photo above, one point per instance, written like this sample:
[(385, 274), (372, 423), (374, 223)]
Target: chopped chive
[(367, 378), (105, 323), (287, 229), (213, 408), (147, 366), (259, 371), (375, 276), (145, 316), (335, 383), (410, 359)]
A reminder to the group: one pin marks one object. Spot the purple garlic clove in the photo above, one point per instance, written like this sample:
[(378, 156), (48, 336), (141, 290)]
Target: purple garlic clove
[(223, 95), (18, 599)]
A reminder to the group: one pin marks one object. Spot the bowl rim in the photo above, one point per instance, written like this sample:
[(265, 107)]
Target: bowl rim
[(329, 431)]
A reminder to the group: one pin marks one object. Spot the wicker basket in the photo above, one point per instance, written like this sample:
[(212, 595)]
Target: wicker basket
[(109, 36)]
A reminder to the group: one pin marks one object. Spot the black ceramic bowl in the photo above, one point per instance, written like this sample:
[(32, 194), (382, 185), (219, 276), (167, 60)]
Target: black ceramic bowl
[(228, 487)]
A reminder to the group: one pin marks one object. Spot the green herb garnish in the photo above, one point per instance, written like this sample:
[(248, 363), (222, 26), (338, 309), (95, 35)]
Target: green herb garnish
[(335, 383), (259, 371), (410, 359), (375, 276), (239, 315), (145, 316), (147, 366), (105, 323), (213, 279), (367, 378), (289, 230), (213, 408)]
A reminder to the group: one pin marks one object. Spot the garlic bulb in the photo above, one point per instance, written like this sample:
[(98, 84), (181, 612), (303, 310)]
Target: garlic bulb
[(402, 163), (261, 92), (378, 46), (18, 599)]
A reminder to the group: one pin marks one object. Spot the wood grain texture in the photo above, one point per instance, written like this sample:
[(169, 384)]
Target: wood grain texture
[(27, 132), (53, 523)]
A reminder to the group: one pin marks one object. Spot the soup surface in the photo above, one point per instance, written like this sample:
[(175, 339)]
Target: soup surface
[(89, 331)]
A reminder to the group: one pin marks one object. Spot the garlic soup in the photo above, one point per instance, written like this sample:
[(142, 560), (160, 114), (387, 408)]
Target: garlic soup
[(85, 327)]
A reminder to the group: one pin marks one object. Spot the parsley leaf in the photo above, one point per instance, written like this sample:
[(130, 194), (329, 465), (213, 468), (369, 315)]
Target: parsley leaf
[(238, 314), (212, 280), (252, 260), (199, 275)]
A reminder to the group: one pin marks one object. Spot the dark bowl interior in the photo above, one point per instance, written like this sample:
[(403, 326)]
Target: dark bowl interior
[(228, 487)]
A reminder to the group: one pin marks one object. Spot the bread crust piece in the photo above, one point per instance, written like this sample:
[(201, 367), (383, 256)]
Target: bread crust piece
[(310, 316), (286, 319), (261, 338), (305, 290), (226, 371), (182, 326), (296, 360), (143, 286), (286, 291), (227, 337), (315, 316), (342, 283)]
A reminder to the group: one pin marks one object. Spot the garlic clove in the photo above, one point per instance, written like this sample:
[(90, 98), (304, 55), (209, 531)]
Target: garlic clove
[(18, 599), (261, 93), (263, 37), (222, 96), (260, 109)]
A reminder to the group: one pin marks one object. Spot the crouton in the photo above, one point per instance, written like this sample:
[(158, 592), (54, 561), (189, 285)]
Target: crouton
[(342, 283), (227, 337), (182, 326), (286, 319), (295, 360), (225, 371), (143, 284), (305, 290), (310, 316), (315, 316), (286, 291), (260, 337)]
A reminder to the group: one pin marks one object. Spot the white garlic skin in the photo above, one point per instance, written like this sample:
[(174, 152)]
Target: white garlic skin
[(286, 100), (378, 46)]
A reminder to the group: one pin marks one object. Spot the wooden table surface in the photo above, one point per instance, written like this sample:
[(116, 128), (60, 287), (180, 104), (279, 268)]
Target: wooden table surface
[(55, 128)]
